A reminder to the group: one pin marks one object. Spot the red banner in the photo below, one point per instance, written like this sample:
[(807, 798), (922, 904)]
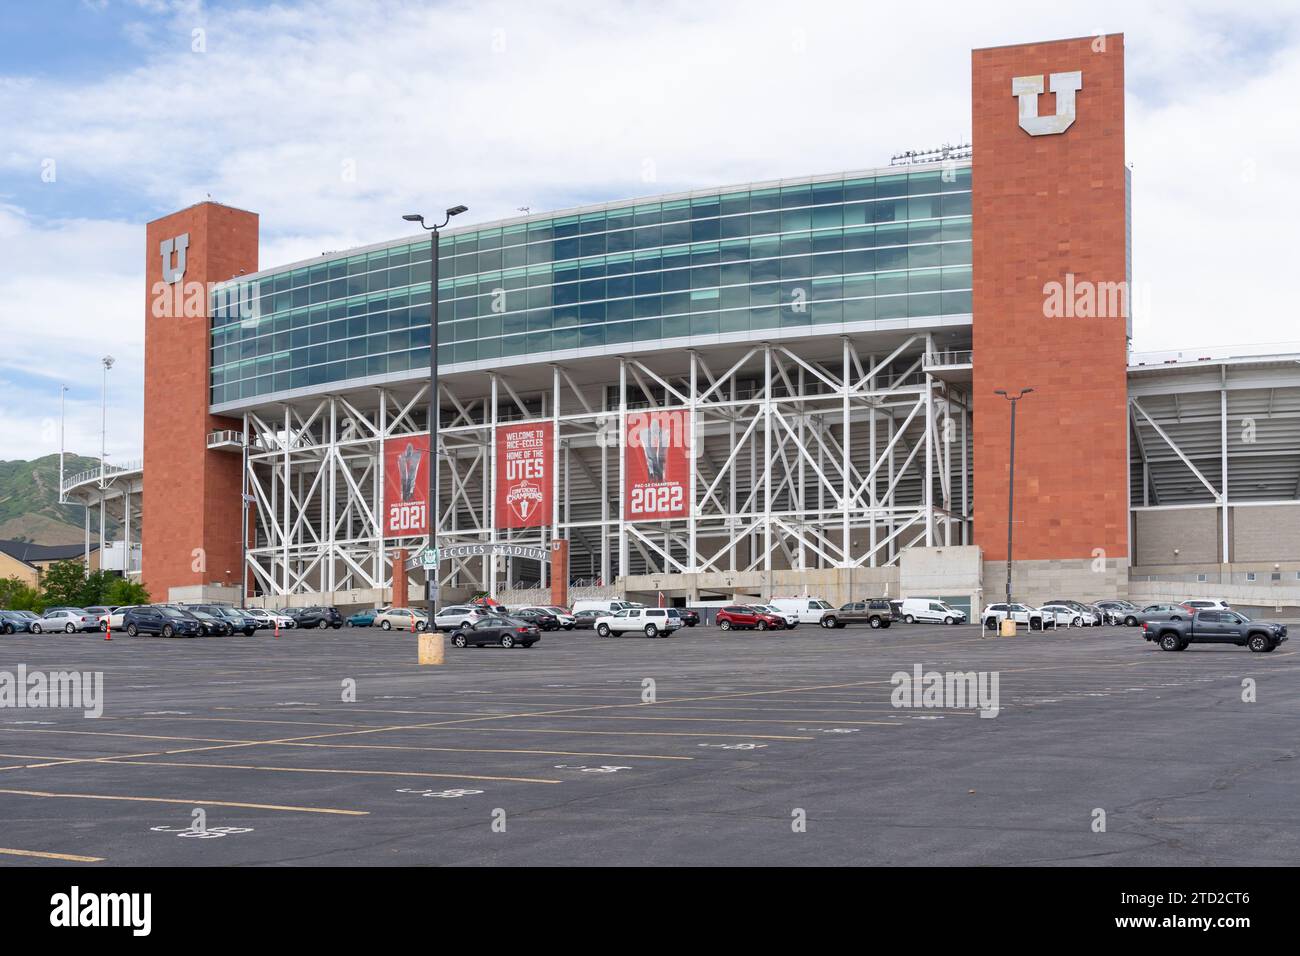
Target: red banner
[(524, 478), (406, 486), (656, 481)]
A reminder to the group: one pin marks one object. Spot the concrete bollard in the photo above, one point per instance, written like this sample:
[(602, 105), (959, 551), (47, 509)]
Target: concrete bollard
[(1008, 628), (431, 647)]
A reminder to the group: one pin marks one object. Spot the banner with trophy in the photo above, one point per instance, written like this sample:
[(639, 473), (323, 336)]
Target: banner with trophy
[(524, 478), (406, 486), (658, 467)]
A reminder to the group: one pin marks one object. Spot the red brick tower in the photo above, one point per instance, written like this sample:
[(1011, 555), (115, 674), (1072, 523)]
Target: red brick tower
[(191, 522), (1050, 206)]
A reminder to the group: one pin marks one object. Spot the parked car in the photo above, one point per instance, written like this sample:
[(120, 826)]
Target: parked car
[(745, 617), (1120, 612), (401, 619), (808, 610), (586, 620), (1062, 616), (267, 619), (499, 629), (1091, 616), (320, 616), (1164, 612), (874, 612), (213, 625), (606, 606), (1200, 604), (161, 619), (995, 614), (69, 620), (364, 618), (691, 617), (541, 617), (788, 618), (99, 610), (1215, 627), (14, 622), (650, 621), (458, 615), (927, 611), (235, 618), (562, 615), (113, 619)]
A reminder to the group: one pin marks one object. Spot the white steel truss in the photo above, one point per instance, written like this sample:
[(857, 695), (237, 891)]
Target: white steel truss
[(804, 455)]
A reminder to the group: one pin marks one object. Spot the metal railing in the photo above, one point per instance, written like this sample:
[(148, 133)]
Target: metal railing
[(226, 436), (93, 474), (953, 357)]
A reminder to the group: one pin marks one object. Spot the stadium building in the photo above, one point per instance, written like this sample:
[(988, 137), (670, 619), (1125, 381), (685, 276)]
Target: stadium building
[(775, 388)]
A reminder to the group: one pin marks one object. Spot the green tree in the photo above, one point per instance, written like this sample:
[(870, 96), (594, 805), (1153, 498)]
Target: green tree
[(65, 583), (17, 595), (121, 592)]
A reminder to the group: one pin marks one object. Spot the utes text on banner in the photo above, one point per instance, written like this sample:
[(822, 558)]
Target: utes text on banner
[(406, 486), (524, 476), (658, 473)]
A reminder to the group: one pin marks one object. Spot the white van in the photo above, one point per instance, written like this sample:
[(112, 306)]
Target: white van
[(929, 611), (808, 610), (611, 606)]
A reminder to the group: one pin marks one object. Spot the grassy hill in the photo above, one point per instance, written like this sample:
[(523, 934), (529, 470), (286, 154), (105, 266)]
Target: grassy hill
[(29, 501)]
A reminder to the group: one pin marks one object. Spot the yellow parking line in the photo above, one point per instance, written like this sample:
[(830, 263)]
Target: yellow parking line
[(367, 773), (289, 743), (68, 857), (619, 733), (191, 802)]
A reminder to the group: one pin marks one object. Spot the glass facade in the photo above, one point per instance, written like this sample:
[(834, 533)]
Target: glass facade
[(847, 250)]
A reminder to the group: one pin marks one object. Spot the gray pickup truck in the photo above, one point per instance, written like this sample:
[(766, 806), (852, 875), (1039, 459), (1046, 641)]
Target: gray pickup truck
[(1215, 627)]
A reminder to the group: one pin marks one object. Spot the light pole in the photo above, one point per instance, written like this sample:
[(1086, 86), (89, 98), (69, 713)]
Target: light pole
[(1011, 482), (431, 573), (107, 361), (63, 418)]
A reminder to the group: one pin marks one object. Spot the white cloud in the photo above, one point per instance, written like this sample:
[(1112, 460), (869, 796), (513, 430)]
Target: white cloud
[(545, 105)]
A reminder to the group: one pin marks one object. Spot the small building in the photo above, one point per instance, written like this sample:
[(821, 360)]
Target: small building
[(27, 561)]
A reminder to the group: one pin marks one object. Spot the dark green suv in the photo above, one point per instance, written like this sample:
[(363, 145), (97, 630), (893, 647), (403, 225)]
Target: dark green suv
[(874, 612)]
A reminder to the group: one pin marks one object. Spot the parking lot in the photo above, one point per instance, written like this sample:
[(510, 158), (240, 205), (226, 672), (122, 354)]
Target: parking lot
[(758, 748)]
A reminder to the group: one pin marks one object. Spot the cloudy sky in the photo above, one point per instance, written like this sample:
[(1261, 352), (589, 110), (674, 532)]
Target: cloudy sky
[(331, 118)]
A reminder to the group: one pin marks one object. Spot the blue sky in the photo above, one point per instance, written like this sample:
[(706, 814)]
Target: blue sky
[(552, 104)]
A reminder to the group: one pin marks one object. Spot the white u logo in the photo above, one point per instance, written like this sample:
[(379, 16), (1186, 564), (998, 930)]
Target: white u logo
[(177, 245), (1028, 88)]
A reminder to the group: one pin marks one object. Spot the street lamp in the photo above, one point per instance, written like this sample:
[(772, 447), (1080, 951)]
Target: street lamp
[(430, 573), (1011, 483), (107, 361)]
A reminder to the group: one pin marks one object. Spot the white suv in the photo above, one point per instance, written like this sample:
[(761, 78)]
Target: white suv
[(458, 616), (651, 621), (995, 614), (1063, 615)]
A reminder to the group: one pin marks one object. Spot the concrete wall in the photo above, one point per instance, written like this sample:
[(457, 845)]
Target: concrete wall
[(1036, 582), (1194, 532), (1266, 533), (943, 572)]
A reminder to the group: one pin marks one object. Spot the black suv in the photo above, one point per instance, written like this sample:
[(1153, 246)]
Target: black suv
[(321, 617), (543, 620), (161, 619), (234, 619)]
